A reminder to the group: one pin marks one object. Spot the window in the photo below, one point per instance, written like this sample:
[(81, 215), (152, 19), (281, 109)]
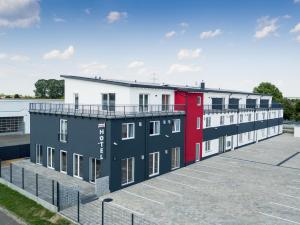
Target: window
[(198, 100), (127, 167), (11, 124), (249, 136), (207, 122), (198, 123), (175, 158), (222, 120), (263, 132), (63, 161), (39, 154), (50, 157), (241, 118), (77, 166), (127, 131), (153, 164), (257, 116), (249, 117), (154, 128), (274, 129), (95, 169), (165, 100), (240, 137), (63, 130), (231, 118), (76, 101), (263, 116), (197, 151), (143, 103), (108, 101), (175, 125), (207, 146)]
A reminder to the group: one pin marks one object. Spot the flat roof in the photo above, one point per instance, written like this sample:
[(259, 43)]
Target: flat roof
[(159, 86)]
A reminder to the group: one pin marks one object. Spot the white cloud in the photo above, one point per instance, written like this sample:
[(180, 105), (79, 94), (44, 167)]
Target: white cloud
[(115, 16), (57, 54), (296, 1), (295, 29), (210, 34), (188, 53), (93, 68), (3, 56), (87, 11), (170, 34), (298, 39), (182, 68), (19, 58), (136, 64), (58, 19), (287, 16), (19, 13), (265, 27), (184, 24)]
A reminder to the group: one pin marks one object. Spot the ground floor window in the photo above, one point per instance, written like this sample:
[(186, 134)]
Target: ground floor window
[(153, 164), (207, 146), (50, 157), (127, 167), (175, 158), (95, 169), (39, 154), (197, 151), (77, 166), (63, 161)]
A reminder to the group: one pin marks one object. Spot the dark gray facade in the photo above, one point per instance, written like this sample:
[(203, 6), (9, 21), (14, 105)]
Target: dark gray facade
[(83, 139)]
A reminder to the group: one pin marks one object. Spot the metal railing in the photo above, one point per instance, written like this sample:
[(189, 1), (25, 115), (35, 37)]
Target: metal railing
[(104, 110), (239, 107)]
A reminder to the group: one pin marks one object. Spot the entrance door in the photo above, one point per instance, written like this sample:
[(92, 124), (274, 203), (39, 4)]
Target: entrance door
[(94, 169), (221, 145)]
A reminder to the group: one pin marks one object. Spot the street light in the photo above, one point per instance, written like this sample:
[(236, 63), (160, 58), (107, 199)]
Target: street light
[(103, 201)]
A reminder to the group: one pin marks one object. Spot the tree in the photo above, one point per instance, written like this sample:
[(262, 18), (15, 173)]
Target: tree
[(288, 109), (297, 106), (271, 89), (49, 88), (17, 96)]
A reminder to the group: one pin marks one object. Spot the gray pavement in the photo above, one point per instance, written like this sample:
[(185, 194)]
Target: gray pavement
[(8, 220)]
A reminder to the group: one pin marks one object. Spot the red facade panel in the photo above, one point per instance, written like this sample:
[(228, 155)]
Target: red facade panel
[(192, 134)]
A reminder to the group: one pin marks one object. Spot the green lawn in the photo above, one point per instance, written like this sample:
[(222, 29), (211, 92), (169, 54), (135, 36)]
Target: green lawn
[(28, 210)]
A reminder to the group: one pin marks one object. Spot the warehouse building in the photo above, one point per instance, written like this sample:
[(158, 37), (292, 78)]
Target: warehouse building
[(118, 133)]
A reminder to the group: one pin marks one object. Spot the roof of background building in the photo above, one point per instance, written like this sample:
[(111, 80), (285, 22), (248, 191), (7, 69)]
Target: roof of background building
[(156, 85)]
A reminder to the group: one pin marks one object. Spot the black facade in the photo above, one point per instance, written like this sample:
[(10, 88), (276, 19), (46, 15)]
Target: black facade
[(83, 138)]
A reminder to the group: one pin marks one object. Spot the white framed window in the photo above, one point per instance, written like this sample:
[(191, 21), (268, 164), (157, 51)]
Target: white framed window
[(249, 117), (249, 136), (154, 128), (197, 151), (241, 118), (231, 119), (257, 116), (153, 164), (207, 146), (263, 115), (77, 166), (263, 132), (95, 169), (76, 101), (50, 157), (175, 158), (222, 120), (143, 102), (108, 101), (38, 154), (128, 131), (127, 170), (63, 161), (198, 100), (198, 123), (165, 101), (207, 121), (63, 130), (240, 138), (175, 125)]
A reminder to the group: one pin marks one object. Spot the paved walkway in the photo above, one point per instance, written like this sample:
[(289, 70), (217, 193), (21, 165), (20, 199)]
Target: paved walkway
[(7, 220)]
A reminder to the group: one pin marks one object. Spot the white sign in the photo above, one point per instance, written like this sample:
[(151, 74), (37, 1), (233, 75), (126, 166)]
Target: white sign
[(101, 132)]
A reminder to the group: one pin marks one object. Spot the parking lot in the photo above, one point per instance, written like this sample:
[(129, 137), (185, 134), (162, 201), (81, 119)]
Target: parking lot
[(257, 184)]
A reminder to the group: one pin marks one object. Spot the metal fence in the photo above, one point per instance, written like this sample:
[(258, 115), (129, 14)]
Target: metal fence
[(70, 202)]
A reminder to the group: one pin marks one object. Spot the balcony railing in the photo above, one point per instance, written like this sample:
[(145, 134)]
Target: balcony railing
[(106, 110), (239, 107)]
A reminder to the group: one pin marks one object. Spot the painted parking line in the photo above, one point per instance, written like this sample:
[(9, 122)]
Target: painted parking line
[(200, 171), (222, 164), (123, 207), (290, 196), (279, 218), (214, 168), (192, 177), (142, 197), (286, 206), (292, 187), (161, 189), (175, 182)]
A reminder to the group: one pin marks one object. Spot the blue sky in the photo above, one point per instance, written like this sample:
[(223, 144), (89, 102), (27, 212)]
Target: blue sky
[(229, 44)]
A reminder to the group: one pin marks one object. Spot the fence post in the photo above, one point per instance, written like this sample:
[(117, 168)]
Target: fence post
[(104, 200), (132, 219), (10, 174), (52, 192), (23, 186), (36, 184), (57, 197), (78, 207)]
